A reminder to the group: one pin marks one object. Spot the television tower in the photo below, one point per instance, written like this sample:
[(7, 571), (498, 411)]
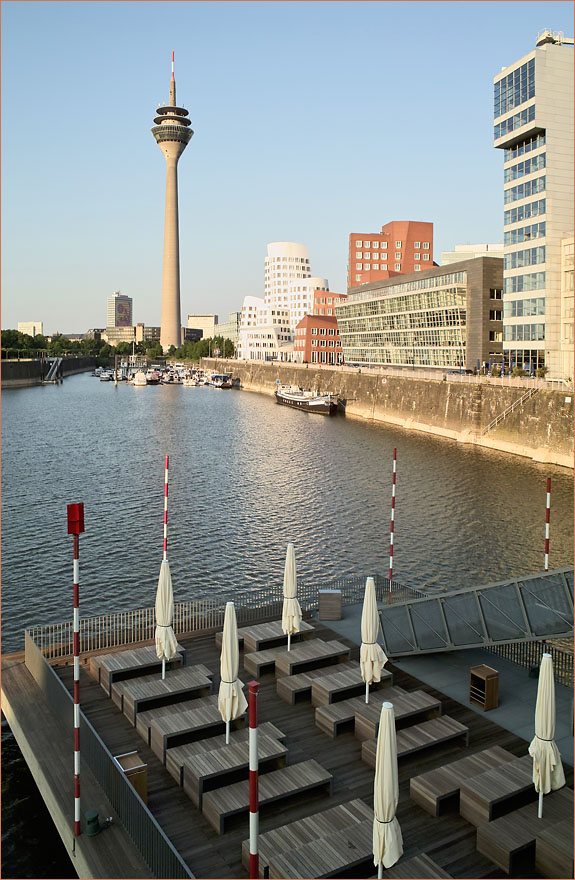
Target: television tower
[(172, 134)]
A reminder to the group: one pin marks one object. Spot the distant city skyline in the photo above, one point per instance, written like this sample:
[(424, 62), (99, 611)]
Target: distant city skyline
[(377, 112)]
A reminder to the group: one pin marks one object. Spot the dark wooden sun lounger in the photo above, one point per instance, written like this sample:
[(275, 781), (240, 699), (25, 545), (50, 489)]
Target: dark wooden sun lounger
[(151, 691), (327, 857), (287, 837), (292, 688), (419, 866), (120, 665), (337, 717), (419, 736), (260, 636), (495, 792), (554, 849), (510, 841), (439, 788), (343, 684), (406, 705), (221, 804), (312, 654)]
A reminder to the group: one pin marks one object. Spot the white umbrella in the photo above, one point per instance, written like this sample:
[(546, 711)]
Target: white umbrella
[(371, 657), (166, 642), (387, 839), (291, 612), (231, 700), (547, 767)]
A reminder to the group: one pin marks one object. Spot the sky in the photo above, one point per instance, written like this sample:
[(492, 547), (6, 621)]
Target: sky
[(312, 120)]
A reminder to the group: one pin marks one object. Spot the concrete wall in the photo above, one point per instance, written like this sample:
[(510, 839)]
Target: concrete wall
[(17, 374), (541, 428)]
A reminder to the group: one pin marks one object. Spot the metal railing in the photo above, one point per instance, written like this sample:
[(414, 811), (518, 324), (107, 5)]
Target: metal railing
[(149, 838), (200, 615), (529, 654), (503, 415)]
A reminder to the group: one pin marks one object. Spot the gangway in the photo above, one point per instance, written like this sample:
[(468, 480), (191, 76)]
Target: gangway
[(531, 608), (52, 374)]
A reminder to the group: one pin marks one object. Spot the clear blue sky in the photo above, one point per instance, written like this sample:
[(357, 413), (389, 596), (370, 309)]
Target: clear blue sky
[(311, 120)]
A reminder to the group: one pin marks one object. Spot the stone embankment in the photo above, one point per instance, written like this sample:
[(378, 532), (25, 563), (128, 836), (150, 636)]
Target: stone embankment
[(540, 428), (17, 374)]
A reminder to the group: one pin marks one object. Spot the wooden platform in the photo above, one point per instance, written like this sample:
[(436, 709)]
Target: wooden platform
[(344, 684), (260, 636), (329, 856), (420, 866), (175, 727), (420, 736), (313, 654), (495, 792), (129, 663), (152, 691), (292, 688), (406, 708)]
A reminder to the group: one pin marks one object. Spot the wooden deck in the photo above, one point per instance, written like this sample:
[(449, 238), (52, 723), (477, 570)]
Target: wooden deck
[(449, 840)]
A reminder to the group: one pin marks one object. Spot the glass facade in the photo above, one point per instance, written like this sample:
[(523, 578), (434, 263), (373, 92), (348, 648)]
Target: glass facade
[(528, 166), (528, 257), (514, 89), (517, 308), (517, 283), (516, 121), (526, 146), (529, 359), (524, 332), (523, 190), (524, 212), (525, 233)]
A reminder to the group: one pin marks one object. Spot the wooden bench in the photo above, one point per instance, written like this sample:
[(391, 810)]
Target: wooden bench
[(406, 705), (120, 665), (343, 684), (221, 804), (267, 635), (314, 827), (510, 841), (311, 655), (419, 866), (554, 849), (144, 719), (176, 755), (224, 766), (327, 856), (497, 791), (151, 691), (291, 688), (175, 727), (434, 790), (337, 717), (419, 736)]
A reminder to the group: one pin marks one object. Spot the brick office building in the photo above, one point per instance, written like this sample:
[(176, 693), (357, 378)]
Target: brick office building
[(316, 339), (402, 247)]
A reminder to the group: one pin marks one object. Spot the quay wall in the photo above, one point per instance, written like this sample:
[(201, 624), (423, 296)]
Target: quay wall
[(541, 428), (16, 374)]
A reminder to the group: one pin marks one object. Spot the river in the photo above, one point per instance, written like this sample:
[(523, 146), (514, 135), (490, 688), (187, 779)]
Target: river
[(246, 477)]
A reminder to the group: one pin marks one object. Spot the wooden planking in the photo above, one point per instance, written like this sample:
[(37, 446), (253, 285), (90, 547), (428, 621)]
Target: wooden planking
[(495, 792), (260, 636), (554, 850), (405, 706), (343, 684), (144, 719), (420, 866), (175, 727), (452, 839), (311, 655), (290, 688), (149, 691), (221, 804), (327, 856), (419, 736), (436, 788), (119, 665)]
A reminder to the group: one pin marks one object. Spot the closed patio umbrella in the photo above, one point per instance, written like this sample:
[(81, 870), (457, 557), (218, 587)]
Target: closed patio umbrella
[(231, 700), (547, 767), (387, 838), (291, 612), (371, 657), (166, 642)]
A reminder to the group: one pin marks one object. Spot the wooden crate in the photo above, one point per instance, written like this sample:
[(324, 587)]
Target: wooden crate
[(329, 604), (484, 687)]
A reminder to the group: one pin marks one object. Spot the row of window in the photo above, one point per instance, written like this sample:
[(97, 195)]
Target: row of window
[(407, 286), (526, 146), (453, 297), (324, 357), (412, 357), (528, 257), (421, 320), (525, 233), (527, 359), (516, 121), (448, 337), (524, 332), (519, 308), (376, 244), (322, 331), (522, 190), (286, 260), (524, 212), (514, 89), (528, 166), (518, 283)]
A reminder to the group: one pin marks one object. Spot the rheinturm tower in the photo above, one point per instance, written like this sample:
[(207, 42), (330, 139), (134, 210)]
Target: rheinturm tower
[(172, 133)]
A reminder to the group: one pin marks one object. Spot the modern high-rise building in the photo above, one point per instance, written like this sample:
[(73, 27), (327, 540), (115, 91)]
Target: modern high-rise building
[(119, 310), (402, 246), (172, 134), (205, 323), (31, 328), (533, 114)]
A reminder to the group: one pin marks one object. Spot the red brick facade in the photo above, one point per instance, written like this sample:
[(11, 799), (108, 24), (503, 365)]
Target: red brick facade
[(402, 247)]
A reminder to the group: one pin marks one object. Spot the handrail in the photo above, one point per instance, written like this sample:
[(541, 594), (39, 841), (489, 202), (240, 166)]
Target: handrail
[(516, 403)]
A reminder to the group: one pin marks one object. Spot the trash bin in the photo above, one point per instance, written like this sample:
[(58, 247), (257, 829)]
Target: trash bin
[(135, 771)]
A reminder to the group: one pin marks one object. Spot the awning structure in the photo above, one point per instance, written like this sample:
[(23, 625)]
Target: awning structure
[(524, 609)]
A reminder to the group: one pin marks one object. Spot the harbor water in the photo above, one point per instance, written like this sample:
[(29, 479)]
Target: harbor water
[(246, 477)]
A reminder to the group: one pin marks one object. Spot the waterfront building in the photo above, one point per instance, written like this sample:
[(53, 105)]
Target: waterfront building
[(229, 329), (172, 133), (286, 263), (264, 333), (317, 341), (115, 335), (533, 125), (143, 333), (402, 246), (567, 310), (470, 252), (205, 323), (324, 302), (119, 310), (31, 328), (446, 317)]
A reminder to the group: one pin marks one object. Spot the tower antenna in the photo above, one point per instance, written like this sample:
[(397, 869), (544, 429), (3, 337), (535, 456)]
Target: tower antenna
[(172, 65)]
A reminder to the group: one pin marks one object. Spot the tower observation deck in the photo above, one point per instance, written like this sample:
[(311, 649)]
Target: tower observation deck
[(172, 133)]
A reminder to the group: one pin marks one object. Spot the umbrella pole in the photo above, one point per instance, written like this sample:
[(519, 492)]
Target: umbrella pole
[(380, 871), (366, 692), (540, 809), (163, 668), (227, 733), (289, 641)]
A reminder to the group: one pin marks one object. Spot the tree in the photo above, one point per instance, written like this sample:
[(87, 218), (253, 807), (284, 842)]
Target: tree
[(541, 372)]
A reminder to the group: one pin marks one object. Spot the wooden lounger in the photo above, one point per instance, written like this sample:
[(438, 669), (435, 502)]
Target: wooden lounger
[(176, 755), (337, 717), (120, 665), (291, 688), (419, 866), (439, 788), (343, 684), (151, 691), (319, 825), (419, 736), (260, 636), (554, 849), (406, 705), (510, 841), (311, 655), (495, 792), (219, 805), (328, 856), (228, 764), (175, 727)]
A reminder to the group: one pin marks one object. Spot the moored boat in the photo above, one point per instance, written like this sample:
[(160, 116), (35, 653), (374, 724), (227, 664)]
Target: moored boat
[(139, 379), (221, 380), (322, 402), (152, 377)]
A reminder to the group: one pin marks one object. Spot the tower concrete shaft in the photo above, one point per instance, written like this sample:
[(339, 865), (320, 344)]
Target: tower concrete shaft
[(172, 134)]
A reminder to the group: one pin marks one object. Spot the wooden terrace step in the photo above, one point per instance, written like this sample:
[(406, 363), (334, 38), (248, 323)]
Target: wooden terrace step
[(151, 691), (497, 791), (130, 663), (328, 856), (419, 736)]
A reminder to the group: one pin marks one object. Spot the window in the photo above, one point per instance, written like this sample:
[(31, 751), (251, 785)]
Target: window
[(367, 267), (535, 163), (323, 357), (496, 336), (398, 255), (375, 266), (426, 256), (534, 281), (358, 255), (398, 267), (314, 331), (322, 331), (522, 190), (384, 245), (524, 212), (417, 268), (367, 256), (416, 245), (359, 244), (398, 244), (514, 89), (358, 277), (417, 256), (359, 265), (495, 315), (322, 300), (516, 121), (331, 342), (375, 244), (323, 343), (425, 245)]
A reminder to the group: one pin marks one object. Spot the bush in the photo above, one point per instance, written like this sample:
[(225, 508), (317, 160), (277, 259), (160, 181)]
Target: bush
[(519, 371), (541, 372)]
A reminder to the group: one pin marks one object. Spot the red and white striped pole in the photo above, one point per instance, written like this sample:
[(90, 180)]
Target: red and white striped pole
[(392, 527), (166, 508), (253, 756), (75, 528), (547, 518)]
